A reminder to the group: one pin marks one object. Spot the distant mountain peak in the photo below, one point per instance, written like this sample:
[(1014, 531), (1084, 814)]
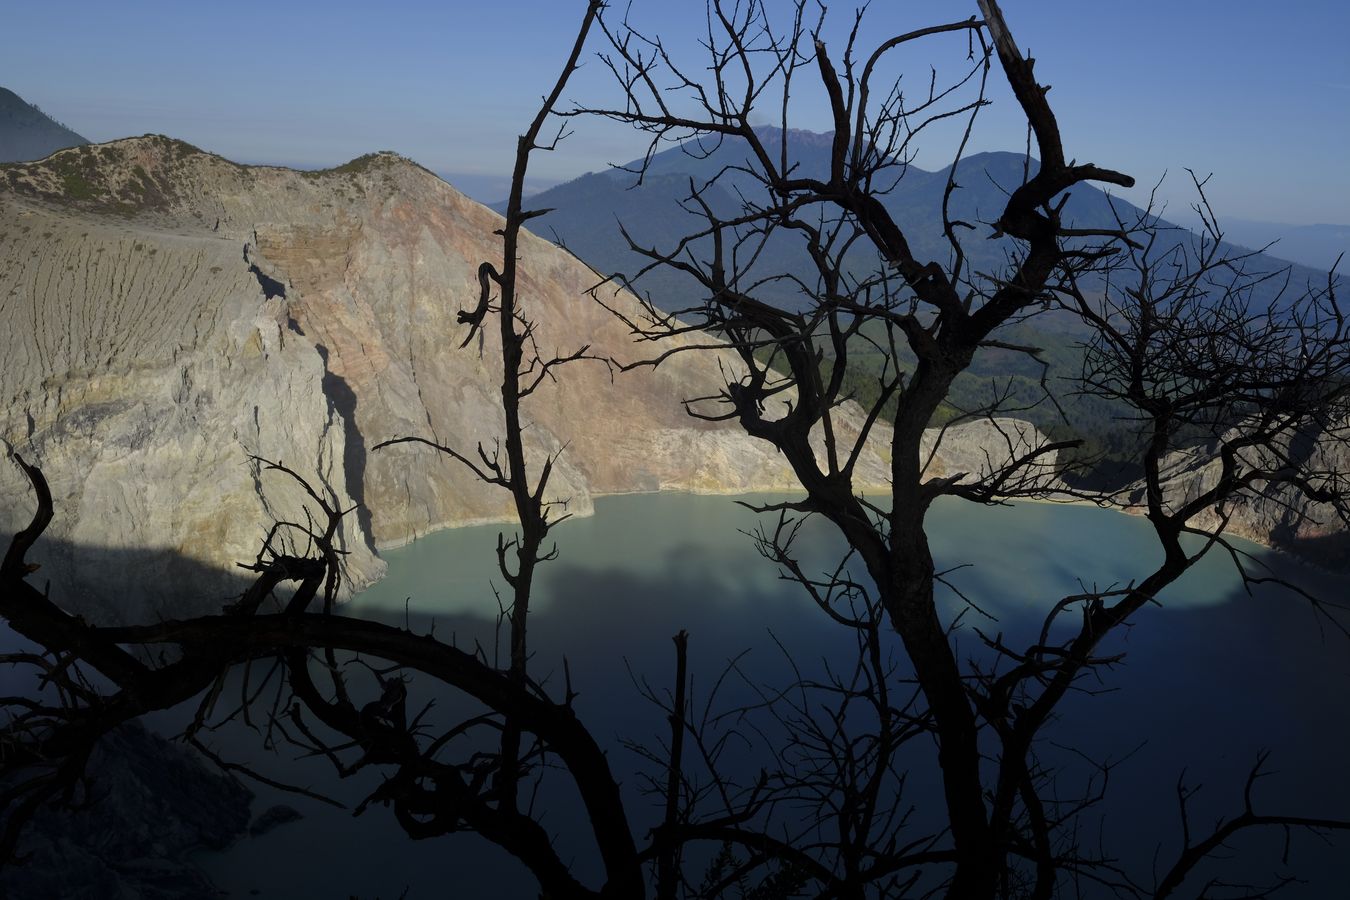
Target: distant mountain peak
[(800, 137), (27, 133)]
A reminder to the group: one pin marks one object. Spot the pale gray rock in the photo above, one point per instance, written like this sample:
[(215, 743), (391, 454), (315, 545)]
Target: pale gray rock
[(141, 369), (987, 448), (1278, 516)]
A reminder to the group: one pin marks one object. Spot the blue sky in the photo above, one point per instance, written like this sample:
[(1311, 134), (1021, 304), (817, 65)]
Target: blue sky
[(1256, 93)]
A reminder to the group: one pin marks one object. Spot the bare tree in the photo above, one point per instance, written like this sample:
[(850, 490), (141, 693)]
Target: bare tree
[(1185, 337), (1176, 337)]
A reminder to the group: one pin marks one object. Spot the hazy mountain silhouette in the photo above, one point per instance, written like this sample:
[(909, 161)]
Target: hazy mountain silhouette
[(27, 133), (1310, 245), (586, 212)]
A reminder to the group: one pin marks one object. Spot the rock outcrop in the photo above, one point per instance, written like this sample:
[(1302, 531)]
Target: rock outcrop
[(1279, 516), (982, 450)]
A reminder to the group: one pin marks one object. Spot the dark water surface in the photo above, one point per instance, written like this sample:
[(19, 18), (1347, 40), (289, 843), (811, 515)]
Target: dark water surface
[(1209, 679)]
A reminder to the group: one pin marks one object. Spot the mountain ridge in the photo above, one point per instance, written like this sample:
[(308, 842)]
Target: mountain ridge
[(583, 213), (27, 133)]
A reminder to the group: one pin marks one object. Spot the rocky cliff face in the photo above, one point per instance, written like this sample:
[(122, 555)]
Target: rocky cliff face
[(1281, 517), (164, 314)]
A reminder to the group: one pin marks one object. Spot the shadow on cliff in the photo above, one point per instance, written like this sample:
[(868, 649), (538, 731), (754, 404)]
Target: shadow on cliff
[(118, 585), (343, 399), (1331, 551)]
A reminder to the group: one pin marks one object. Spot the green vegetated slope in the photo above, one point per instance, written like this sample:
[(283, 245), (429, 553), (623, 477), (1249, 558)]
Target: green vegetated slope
[(105, 178), (1025, 386)]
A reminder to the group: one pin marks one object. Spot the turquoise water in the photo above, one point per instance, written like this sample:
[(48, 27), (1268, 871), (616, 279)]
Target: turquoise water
[(1209, 678), (1017, 557)]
